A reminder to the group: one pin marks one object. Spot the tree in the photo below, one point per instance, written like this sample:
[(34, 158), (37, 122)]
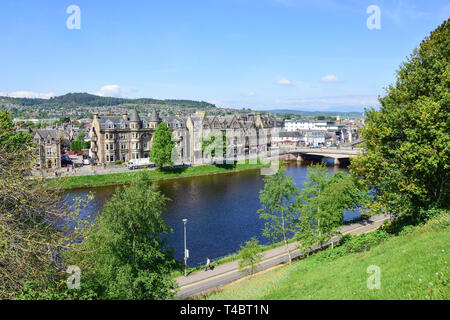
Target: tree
[(250, 256), (80, 135), (124, 255), (30, 245), (77, 145), (215, 141), (279, 207), (407, 141), (161, 152), (10, 139), (324, 200)]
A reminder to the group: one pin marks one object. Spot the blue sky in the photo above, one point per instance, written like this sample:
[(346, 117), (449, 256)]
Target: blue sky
[(262, 54)]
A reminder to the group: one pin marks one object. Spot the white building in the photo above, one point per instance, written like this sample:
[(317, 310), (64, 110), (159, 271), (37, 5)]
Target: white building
[(306, 125)]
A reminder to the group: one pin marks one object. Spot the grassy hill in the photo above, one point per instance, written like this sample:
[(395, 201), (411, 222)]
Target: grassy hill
[(90, 100), (414, 265)]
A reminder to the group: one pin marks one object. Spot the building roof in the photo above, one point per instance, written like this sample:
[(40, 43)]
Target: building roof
[(134, 116), (45, 133), (288, 134), (154, 117)]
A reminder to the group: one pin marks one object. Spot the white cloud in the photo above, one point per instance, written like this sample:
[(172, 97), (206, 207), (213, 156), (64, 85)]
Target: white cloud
[(285, 82), (329, 78), (27, 94), (113, 90), (251, 94)]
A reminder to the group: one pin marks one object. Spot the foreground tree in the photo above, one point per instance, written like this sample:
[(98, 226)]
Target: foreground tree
[(124, 255), (407, 141), (30, 243), (162, 146), (279, 207), (250, 256)]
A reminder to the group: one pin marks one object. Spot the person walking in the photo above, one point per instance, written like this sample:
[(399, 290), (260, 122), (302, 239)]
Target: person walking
[(207, 264)]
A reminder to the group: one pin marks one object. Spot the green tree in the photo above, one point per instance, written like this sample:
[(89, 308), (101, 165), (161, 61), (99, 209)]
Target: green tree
[(323, 201), (279, 207), (80, 135), (250, 256), (124, 255), (30, 245), (215, 141), (10, 139), (161, 153), (77, 145), (406, 162)]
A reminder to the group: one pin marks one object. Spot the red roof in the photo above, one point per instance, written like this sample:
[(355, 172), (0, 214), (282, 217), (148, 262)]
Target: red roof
[(72, 153)]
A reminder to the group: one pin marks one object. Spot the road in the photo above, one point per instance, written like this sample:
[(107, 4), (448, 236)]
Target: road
[(203, 281)]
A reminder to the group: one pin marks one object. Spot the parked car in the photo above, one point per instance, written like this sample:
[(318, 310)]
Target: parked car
[(66, 161)]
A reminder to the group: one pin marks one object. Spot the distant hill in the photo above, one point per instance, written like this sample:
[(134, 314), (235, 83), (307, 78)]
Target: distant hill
[(90, 100)]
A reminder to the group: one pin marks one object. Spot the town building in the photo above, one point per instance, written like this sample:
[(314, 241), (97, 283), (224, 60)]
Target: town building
[(130, 136), (49, 148), (247, 136)]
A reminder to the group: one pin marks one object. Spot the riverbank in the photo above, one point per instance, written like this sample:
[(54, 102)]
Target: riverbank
[(123, 178), (263, 248)]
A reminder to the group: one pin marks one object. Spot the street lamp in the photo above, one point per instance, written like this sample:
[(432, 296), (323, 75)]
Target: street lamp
[(186, 255)]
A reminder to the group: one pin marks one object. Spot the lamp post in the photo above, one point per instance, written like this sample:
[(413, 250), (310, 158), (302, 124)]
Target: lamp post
[(185, 250)]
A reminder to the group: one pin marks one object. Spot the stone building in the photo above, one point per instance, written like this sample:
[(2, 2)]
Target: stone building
[(246, 135), (130, 136), (49, 148)]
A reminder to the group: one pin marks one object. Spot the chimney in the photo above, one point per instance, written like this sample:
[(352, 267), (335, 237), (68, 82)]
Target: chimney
[(125, 116)]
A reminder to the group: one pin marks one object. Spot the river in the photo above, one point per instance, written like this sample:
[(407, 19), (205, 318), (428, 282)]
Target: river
[(221, 210)]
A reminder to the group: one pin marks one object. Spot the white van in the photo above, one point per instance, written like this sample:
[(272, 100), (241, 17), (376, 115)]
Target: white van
[(140, 163)]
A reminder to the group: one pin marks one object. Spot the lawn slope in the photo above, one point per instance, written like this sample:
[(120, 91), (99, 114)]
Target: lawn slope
[(414, 265)]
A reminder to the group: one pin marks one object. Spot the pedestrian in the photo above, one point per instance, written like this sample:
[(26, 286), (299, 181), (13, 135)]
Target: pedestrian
[(207, 264)]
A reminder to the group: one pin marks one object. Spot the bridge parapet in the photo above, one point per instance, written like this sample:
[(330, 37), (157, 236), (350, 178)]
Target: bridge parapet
[(324, 151)]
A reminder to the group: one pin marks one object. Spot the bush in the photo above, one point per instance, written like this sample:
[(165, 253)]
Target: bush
[(406, 230), (365, 241), (117, 162), (353, 244)]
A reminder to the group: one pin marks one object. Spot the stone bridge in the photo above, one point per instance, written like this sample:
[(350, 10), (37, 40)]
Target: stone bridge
[(301, 154)]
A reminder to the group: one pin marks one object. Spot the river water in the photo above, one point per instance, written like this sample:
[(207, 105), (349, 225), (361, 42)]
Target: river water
[(221, 210)]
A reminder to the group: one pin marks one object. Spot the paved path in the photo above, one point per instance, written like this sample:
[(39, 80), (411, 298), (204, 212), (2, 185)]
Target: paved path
[(202, 281)]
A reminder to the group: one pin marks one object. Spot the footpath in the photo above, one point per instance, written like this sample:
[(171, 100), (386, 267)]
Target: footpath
[(203, 281)]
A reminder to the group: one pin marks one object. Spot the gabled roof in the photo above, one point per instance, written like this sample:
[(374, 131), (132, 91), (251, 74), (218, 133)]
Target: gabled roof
[(44, 133)]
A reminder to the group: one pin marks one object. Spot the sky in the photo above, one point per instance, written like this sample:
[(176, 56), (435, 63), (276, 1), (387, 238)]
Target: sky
[(317, 55)]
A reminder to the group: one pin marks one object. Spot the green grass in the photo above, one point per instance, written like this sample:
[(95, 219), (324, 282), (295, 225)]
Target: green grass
[(127, 177), (413, 265)]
